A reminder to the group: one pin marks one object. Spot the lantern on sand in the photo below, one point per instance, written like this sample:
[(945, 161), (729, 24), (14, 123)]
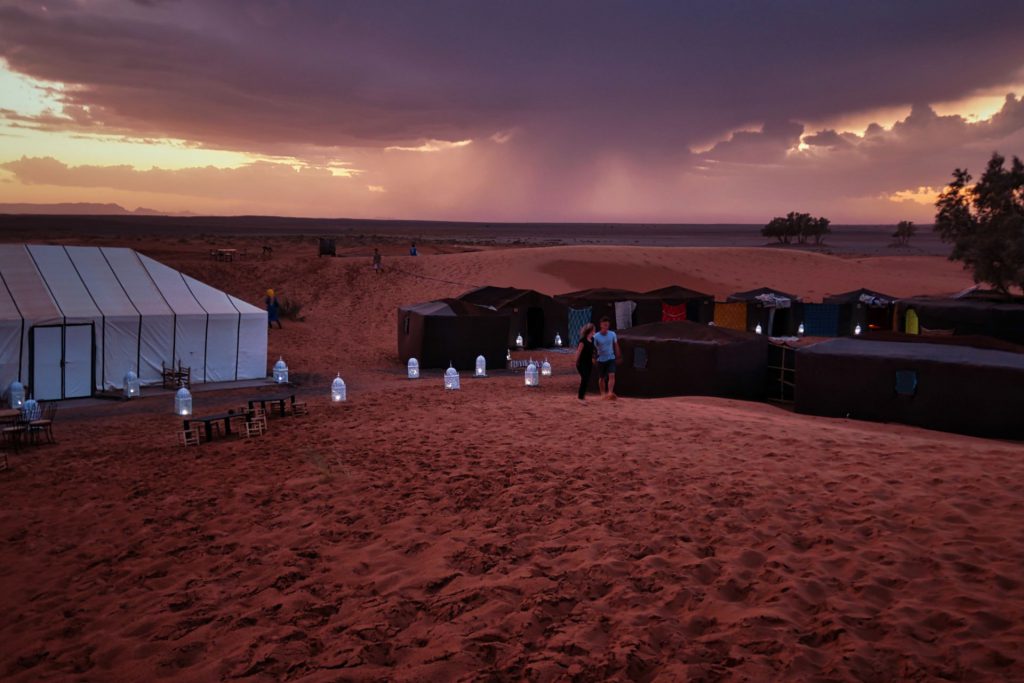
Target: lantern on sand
[(281, 371), (132, 385), (338, 391), (758, 329), (800, 329), (532, 377), (558, 340), (519, 340), (545, 368), (481, 367), (857, 330), (16, 394), (414, 368), (183, 402), (451, 379)]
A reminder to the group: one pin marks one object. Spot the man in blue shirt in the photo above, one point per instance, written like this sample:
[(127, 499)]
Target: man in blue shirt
[(606, 344)]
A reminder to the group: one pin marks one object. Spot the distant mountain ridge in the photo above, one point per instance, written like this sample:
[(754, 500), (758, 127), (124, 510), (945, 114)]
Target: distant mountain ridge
[(77, 209)]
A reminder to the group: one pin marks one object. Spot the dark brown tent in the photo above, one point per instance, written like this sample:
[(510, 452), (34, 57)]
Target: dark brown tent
[(687, 358), (452, 331), (775, 321), (699, 307), (871, 310), (977, 315), (601, 302), (538, 317), (938, 386)]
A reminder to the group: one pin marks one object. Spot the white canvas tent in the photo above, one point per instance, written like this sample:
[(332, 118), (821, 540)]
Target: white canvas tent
[(76, 319)]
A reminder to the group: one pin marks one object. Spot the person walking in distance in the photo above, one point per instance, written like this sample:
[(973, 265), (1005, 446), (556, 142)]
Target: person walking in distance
[(272, 309), (606, 343), (585, 358), (376, 260)]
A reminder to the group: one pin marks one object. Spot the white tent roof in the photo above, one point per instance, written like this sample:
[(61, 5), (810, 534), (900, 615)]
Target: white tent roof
[(144, 315)]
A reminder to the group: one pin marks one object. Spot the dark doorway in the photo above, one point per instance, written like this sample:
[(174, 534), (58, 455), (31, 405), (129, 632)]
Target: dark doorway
[(535, 328)]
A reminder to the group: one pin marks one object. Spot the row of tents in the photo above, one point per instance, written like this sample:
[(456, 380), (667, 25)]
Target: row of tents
[(490, 320)]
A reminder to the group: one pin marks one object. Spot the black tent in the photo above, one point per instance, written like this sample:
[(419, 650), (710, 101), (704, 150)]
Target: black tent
[(688, 358), (871, 310), (601, 302), (538, 317), (699, 307), (938, 386), (452, 331), (779, 314), (976, 315)]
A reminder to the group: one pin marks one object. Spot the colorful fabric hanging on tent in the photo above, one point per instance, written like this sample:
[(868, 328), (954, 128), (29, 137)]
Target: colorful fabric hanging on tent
[(578, 317), (624, 314), (731, 316), (821, 320), (913, 326), (672, 312)]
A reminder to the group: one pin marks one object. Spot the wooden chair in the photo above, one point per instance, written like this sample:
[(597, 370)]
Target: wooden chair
[(44, 425), (4, 464), (300, 408), (259, 415), (189, 437), (13, 434), (252, 429)]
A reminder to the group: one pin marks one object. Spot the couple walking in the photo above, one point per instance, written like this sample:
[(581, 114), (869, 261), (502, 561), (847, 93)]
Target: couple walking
[(601, 349)]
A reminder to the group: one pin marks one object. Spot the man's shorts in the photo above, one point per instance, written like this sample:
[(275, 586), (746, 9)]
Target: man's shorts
[(605, 368)]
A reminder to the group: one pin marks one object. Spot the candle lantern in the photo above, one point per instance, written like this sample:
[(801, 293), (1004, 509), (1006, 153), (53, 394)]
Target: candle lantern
[(183, 402), (758, 328), (800, 329), (16, 394), (338, 391), (414, 368), (281, 371), (519, 341), (545, 368), (451, 379), (132, 385), (508, 354), (481, 367), (558, 340), (532, 377), (857, 330)]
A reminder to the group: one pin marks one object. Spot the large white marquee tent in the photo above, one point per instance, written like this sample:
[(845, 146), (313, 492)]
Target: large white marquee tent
[(74, 320)]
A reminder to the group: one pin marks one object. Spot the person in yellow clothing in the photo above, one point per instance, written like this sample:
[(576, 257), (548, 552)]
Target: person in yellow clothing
[(272, 306)]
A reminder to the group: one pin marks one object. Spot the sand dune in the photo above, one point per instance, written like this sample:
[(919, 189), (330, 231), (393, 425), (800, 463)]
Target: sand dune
[(500, 533)]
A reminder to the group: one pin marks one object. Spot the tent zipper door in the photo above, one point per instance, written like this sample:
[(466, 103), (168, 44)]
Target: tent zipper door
[(62, 361)]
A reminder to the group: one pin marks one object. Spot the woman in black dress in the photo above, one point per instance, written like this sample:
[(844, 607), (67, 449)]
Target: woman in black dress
[(585, 357)]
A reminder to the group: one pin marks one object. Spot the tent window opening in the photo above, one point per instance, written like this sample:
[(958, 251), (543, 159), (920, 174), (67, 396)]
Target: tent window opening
[(640, 358), (906, 382)]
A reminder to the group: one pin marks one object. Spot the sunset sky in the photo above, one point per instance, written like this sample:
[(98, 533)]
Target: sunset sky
[(725, 111)]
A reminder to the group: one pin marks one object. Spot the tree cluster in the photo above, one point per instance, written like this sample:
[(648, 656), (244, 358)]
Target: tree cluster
[(985, 223), (799, 227), (904, 231)]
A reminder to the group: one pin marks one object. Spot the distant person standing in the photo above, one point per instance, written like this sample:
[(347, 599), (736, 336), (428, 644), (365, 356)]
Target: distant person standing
[(412, 250), (376, 260), (585, 358), (272, 309), (606, 344)]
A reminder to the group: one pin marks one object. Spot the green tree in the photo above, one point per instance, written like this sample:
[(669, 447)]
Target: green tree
[(797, 226), (985, 223), (904, 231)]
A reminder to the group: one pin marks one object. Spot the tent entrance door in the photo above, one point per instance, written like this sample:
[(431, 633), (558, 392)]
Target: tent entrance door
[(535, 328), (61, 361)]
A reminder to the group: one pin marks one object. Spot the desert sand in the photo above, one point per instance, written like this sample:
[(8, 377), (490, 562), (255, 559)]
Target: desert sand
[(501, 533)]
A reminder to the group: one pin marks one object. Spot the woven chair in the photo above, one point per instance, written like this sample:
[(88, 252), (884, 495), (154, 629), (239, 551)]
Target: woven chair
[(44, 425), (252, 429), (300, 408), (259, 415), (189, 437)]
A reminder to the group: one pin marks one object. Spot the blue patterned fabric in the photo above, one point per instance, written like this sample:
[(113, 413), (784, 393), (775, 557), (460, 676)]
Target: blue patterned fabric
[(578, 317), (821, 320)]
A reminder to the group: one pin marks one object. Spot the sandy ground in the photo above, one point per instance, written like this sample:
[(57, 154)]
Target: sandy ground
[(503, 533)]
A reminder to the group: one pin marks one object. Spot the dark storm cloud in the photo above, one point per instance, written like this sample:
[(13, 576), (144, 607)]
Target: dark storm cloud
[(646, 78)]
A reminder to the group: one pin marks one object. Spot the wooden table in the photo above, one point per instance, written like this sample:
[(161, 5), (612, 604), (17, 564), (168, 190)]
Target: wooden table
[(279, 401), (9, 414), (208, 421), (226, 254)]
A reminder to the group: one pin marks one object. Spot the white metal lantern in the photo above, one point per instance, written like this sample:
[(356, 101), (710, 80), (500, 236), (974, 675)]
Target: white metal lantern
[(451, 379), (532, 378), (414, 368), (857, 330), (481, 367), (545, 368), (758, 329), (281, 371), (558, 340), (800, 329), (519, 340), (16, 394), (132, 385), (183, 402), (508, 354), (338, 391)]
